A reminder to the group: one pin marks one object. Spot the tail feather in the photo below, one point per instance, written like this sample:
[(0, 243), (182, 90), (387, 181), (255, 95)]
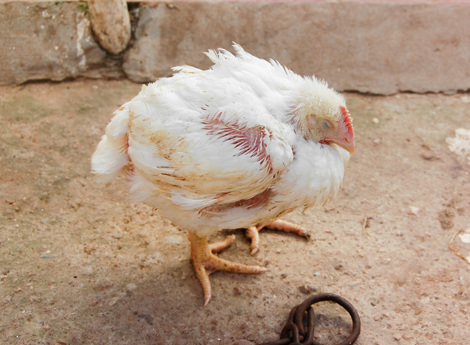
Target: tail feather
[(111, 157)]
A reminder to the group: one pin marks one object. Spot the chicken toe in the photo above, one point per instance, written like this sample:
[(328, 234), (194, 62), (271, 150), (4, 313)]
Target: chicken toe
[(205, 261), (253, 232)]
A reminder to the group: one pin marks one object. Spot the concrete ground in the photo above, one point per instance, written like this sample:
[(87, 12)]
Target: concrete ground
[(79, 264)]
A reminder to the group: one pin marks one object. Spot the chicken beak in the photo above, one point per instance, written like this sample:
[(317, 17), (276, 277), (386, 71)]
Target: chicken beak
[(347, 144)]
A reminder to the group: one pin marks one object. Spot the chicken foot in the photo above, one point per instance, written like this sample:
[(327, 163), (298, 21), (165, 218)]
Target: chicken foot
[(205, 261), (253, 232)]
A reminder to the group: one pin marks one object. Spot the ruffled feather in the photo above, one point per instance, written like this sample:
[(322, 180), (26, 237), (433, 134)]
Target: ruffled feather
[(218, 148)]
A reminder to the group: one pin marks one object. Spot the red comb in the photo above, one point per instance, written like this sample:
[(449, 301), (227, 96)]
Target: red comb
[(347, 119)]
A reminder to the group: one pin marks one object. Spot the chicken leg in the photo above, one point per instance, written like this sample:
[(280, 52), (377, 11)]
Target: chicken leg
[(253, 232), (205, 261)]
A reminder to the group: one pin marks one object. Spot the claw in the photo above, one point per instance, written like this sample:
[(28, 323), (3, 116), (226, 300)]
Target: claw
[(205, 261), (253, 232)]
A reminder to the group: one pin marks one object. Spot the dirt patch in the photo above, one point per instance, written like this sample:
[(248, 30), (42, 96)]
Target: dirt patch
[(79, 264)]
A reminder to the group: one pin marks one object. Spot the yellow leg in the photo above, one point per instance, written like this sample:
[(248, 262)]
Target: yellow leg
[(253, 232), (205, 261)]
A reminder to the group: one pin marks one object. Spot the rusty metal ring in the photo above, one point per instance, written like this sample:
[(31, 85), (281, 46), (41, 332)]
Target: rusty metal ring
[(291, 328), (294, 330), (302, 308)]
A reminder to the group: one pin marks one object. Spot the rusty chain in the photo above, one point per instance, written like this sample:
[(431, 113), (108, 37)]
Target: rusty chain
[(300, 326)]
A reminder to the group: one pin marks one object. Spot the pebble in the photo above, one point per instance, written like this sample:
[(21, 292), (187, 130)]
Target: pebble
[(465, 237), (113, 301), (307, 289), (414, 210), (131, 287), (429, 156)]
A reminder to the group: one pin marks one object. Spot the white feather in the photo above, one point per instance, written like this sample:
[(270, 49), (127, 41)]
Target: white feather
[(111, 156)]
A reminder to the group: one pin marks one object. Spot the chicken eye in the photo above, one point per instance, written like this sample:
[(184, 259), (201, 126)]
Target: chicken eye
[(326, 124)]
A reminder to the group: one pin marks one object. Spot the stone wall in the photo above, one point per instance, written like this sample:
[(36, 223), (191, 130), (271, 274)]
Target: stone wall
[(380, 48), (49, 41)]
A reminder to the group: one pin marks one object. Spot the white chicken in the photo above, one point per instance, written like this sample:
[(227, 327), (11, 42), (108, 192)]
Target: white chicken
[(236, 146)]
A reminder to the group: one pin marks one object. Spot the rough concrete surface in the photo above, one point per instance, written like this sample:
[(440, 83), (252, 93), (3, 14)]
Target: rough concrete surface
[(79, 264), (369, 47), (379, 47)]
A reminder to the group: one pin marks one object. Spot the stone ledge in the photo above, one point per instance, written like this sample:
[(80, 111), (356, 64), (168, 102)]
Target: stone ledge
[(376, 47)]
